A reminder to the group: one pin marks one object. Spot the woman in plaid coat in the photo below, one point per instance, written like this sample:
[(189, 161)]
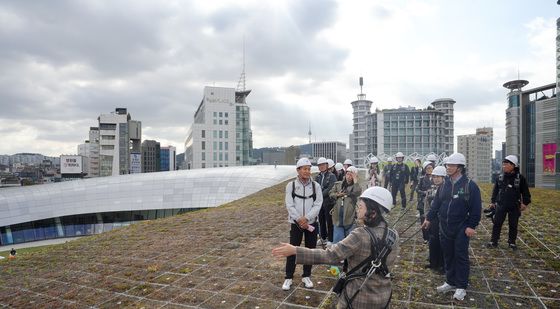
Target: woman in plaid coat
[(356, 247)]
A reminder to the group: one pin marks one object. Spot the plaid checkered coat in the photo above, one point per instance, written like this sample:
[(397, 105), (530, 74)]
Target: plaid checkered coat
[(356, 247)]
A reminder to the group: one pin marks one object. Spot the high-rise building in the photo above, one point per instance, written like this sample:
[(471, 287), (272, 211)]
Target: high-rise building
[(90, 149), (119, 137), (477, 149), (151, 156), (167, 158), (221, 132), (532, 118), (404, 129)]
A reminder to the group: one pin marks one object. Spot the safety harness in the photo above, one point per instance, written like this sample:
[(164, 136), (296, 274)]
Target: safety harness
[(376, 263), (294, 195)]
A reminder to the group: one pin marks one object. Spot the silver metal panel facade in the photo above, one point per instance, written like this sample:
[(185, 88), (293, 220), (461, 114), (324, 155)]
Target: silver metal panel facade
[(199, 188)]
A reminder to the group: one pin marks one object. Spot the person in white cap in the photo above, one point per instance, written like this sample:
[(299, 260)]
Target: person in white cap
[(457, 206), (331, 166), (424, 186), (326, 179), (346, 194), (387, 173), (357, 290), (435, 254), (510, 197), (303, 201), (373, 173), (347, 163), (339, 169), (400, 175)]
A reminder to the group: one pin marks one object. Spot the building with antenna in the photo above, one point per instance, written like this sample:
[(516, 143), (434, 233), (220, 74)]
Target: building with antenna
[(221, 134), (404, 129)]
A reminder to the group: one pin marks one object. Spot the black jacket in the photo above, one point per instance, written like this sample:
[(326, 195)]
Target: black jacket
[(506, 192), (399, 173), (326, 180)]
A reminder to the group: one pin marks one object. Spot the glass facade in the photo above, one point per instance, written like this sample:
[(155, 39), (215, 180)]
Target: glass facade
[(513, 101), (164, 157), (79, 225)]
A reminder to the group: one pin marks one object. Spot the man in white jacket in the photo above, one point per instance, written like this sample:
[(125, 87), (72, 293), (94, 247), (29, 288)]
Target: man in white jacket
[(303, 201)]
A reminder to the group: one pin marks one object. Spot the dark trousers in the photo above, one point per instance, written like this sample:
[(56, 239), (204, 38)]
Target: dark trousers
[(455, 248), (400, 188), (386, 184), (420, 208), (435, 254), (296, 235), (413, 189), (325, 223), (513, 213)]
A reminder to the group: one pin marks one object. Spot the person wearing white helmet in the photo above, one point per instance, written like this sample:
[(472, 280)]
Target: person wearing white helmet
[(457, 206), (400, 174), (424, 185), (387, 173), (415, 174), (346, 194), (330, 163), (339, 169), (373, 173), (510, 197), (356, 289), (326, 179), (432, 158), (435, 253), (303, 201), (347, 163)]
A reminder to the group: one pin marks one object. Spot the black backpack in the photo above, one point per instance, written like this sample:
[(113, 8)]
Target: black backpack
[(294, 195)]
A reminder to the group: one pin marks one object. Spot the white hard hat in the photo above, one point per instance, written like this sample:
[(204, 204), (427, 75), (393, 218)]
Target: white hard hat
[(373, 160), (431, 157), (303, 162), (352, 169), (330, 162), (389, 159), (380, 195), (322, 160), (426, 164), (399, 155), (338, 166), (444, 160), (439, 171), (347, 162), (512, 159), (456, 158)]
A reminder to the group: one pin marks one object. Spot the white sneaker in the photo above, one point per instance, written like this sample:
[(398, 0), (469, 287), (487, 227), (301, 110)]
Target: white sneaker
[(460, 294), (445, 288), (307, 282), (287, 284)]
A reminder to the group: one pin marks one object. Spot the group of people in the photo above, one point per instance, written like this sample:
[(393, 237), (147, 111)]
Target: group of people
[(449, 209)]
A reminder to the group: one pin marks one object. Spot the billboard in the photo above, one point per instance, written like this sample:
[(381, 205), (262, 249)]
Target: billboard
[(549, 158), (71, 164), (135, 163)]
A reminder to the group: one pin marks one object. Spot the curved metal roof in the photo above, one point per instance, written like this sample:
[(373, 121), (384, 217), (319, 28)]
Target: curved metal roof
[(199, 188)]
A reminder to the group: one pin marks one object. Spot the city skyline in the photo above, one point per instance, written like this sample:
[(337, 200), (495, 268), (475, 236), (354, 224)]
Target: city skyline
[(66, 63)]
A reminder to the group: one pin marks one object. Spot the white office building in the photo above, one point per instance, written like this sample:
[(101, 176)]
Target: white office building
[(477, 149), (220, 135), (119, 136)]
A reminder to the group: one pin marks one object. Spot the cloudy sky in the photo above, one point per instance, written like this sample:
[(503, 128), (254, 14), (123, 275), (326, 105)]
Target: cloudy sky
[(65, 62)]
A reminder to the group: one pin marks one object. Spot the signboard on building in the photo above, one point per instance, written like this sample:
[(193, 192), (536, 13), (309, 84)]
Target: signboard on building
[(135, 163), (71, 164), (549, 158)]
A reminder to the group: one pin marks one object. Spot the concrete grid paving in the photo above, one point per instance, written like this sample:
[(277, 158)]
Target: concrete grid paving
[(220, 258)]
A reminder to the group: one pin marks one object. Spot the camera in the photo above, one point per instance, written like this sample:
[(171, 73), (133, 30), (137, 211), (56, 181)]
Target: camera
[(490, 212)]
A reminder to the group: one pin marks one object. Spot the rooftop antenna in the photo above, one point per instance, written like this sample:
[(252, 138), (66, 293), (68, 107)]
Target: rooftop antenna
[(309, 133), (362, 95), (241, 83)]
